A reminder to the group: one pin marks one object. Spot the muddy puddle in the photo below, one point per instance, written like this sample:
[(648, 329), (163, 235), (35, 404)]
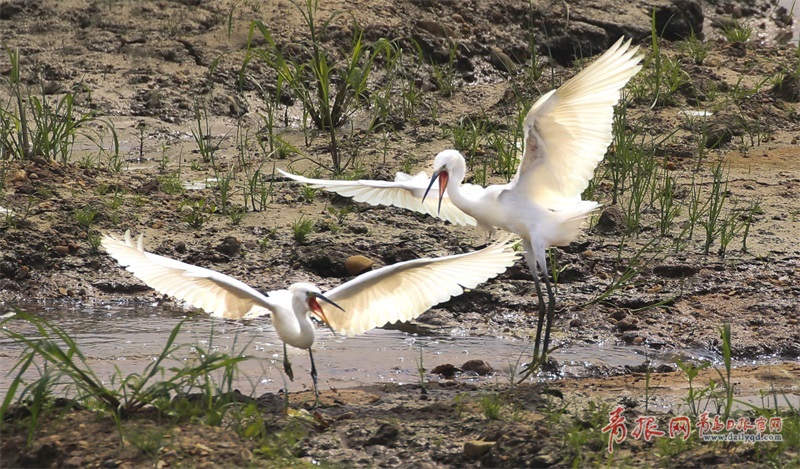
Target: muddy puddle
[(129, 337)]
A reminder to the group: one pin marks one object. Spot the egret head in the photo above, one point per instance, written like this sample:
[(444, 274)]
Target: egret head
[(310, 295), (445, 164)]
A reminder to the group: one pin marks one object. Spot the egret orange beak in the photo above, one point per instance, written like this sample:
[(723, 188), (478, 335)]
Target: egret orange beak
[(443, 177), (315, 308)]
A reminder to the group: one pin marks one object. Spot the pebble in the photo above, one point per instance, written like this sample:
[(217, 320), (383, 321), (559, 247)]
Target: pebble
[(618, 314), (22, 273), (477, 366), (628, 323), (477, 448), (61, 250), (358, 264), (436, 28), (448, 370)]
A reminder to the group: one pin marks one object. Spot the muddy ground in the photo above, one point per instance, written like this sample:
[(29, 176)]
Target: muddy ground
[(147, 67)]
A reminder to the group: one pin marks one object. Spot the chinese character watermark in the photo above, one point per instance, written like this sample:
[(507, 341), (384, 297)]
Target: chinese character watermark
[(708, 429)]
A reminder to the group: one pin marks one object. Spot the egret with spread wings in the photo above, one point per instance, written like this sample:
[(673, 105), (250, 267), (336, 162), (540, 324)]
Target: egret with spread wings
[(397, 292), (567, 132)]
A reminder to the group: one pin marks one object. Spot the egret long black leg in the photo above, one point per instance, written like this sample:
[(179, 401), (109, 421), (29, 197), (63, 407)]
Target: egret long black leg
[(287, 365), (531, 258), (551, 312), (541, 309), (314, 377)]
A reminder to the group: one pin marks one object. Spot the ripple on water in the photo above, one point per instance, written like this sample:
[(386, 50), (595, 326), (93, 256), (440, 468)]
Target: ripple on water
[(129, 337)]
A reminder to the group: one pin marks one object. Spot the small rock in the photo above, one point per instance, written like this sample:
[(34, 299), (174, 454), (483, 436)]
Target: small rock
[(358, 264), (501, 60), (629, 336), (16, 176), (611, 220), (638, 341), (718, 133), (9, 10), (477, 448), (477, 366), (679, 20), (447, 370), (347, 416), (74, 461), (230, 246), (618, 314), (788, 89), (436, 28), (61, 250), (627, 324), (386, 434), (544, 460), (22, 273), (675, 271)]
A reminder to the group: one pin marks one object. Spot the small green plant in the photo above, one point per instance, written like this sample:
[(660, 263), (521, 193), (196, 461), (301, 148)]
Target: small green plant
[(491, 405), (88, 161), (444, 75), (329, 90), (727, 383), (202, 136), (340, 213), (170, 184), (694, 396), (163, 162), (39, 126), (713, 206), (147, 440), (695, 48), (308, 193), (236, 215), (667, 208), (301, 228), (198, 213), (94, 239), (737, 32), (64, 364), (85, 216)]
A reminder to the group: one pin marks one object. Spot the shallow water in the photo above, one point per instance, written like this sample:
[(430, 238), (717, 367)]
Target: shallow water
[(129, 337)]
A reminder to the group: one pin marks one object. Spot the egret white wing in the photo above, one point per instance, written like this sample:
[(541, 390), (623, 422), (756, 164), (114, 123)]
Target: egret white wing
[(211, 291), (405, 191), (568, 130), (403, 291)]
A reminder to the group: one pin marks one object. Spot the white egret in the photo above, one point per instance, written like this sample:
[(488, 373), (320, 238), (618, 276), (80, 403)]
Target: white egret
[(566, 134), (398, 292)]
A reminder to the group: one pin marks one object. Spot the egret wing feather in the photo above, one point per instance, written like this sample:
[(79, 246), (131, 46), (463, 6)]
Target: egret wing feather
[(403, 291), (406, 191), (568, 130), (211, 291)]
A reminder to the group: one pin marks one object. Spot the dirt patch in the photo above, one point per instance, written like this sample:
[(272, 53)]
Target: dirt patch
[(150, 67)]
